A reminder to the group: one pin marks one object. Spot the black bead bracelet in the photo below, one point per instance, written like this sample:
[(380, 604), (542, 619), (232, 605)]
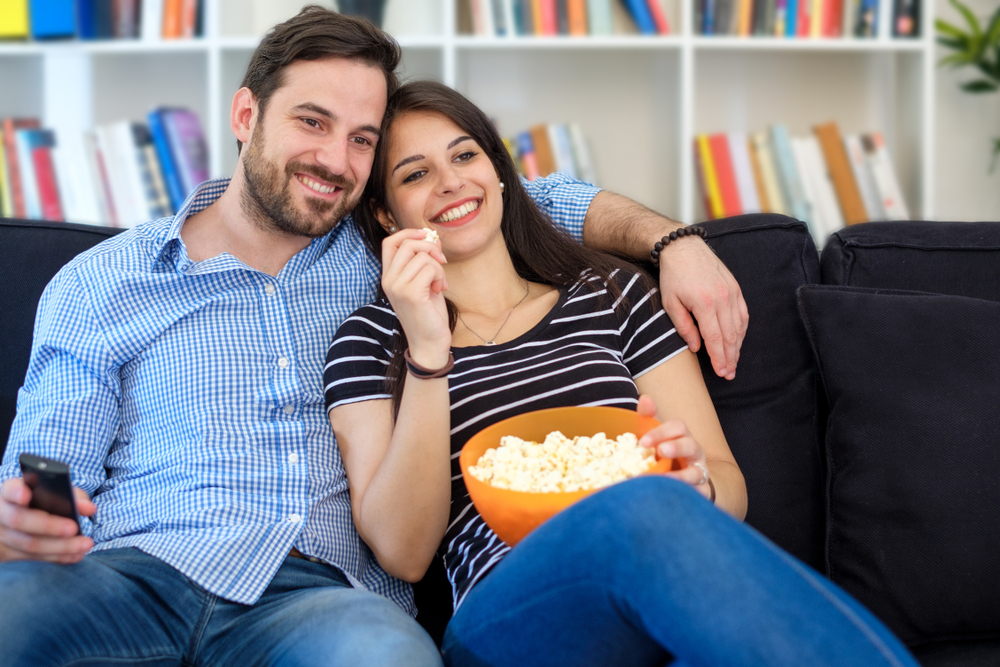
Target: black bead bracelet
[(680, 232)]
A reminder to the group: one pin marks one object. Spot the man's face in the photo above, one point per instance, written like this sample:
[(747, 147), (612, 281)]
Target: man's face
[(311, 152)]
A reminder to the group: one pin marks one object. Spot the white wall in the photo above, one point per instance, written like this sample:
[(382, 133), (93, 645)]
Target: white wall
[(965, 127)]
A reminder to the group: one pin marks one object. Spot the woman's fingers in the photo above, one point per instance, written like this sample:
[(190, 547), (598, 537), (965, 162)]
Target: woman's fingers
[(398, 248)]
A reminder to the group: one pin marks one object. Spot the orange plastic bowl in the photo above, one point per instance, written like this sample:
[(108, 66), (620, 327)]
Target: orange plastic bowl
[(514, 514)]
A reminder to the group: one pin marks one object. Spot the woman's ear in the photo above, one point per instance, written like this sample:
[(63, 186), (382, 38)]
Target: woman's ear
[(385, 219)]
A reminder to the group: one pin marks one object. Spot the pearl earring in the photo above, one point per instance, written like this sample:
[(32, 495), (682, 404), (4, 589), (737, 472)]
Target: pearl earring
[(501, 187), (393, 229)]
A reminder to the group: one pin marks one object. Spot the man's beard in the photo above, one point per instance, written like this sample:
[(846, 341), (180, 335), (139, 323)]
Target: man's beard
[(267, 197)]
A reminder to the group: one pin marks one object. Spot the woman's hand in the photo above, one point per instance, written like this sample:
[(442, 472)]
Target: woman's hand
[(673, 440), (413, 279)]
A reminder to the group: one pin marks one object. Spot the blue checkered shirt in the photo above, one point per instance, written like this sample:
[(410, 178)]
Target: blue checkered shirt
[(187, 398)]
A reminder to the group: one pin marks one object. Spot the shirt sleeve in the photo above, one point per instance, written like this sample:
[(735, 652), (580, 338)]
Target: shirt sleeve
[(564, 199), (359, 357), (68, 408), (648, 337)]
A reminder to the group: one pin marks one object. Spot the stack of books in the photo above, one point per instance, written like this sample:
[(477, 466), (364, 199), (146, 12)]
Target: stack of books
[(824, 179), (500, 18), (101, 19), (803, 18), (550, 147), (118, 174)]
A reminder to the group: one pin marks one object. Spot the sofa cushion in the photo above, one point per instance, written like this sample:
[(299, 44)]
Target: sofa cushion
[(913, 456), (769, 411), (31, 253), (960, 258)]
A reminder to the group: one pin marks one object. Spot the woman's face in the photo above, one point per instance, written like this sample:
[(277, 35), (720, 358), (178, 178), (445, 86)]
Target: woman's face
[(439, 177)]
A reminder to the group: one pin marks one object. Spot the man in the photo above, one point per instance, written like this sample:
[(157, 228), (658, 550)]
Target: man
[(177, 369)]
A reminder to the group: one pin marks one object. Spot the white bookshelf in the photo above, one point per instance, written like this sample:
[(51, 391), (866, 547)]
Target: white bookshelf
[(640, 100)]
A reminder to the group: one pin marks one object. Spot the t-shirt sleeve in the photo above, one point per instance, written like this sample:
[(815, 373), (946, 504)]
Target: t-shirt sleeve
[(359, 357), (563, 199), (648, 337)]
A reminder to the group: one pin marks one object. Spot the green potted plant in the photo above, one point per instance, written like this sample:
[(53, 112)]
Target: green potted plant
[(979, 48)]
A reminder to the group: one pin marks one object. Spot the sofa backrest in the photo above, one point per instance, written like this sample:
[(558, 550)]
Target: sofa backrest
[(769, 411), (31, 253)]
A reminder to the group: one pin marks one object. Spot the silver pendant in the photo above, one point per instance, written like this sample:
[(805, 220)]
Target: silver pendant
[(490, 342)]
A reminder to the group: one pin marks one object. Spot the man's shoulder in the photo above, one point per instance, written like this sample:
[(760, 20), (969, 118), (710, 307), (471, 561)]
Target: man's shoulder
[(133, 248)]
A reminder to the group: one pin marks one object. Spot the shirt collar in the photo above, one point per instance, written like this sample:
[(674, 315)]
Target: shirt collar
[(204, 196)]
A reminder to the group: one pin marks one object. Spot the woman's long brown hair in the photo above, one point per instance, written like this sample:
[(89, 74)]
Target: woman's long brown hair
[(539, 251)]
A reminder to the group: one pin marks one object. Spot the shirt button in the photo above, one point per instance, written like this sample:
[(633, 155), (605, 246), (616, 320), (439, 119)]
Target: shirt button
[(289, 409), (294, 518), (282, 362), (313, 559), (293, 458), (269, 289)]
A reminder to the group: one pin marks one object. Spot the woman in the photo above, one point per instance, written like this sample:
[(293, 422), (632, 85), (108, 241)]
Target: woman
[(506, 315)]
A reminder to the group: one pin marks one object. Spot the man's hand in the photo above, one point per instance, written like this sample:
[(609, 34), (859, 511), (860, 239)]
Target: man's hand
[(693, 281), (30, 534)]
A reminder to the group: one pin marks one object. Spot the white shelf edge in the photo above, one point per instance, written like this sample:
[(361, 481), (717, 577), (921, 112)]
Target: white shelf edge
[(708, 43), (566, 42), (129, 46)]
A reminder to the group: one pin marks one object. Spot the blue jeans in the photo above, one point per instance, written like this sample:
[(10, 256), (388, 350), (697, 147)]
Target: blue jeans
[(124, 607), (647, 572)]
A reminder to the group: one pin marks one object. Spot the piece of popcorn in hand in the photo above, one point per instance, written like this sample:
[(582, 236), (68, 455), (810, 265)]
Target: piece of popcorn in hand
[(430, 235)]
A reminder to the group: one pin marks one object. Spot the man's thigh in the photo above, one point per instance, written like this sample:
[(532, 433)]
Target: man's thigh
[(119, 606), (301, 622)]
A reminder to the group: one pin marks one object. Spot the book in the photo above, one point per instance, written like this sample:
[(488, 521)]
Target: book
[(78, 187), (6, 200), (86, 20), (576, 16), (167, 161), (10, 127), (100, 175), (482, 17), (525, 17), (13, 19), (581, 155), (114, 141), (52, 19), (639, 10), (863, 177), (762, 148), (839, 167), (562, 149), (511, 18), (549, 18), (713, 198), (562, 17), (125, 17), (725, 175), (172, 18), (189, 18), (739, 152), (152, 20), (813, 218), (48, 188), (187, 144), (526, 152), (660, 17), (884, 175), (104, 19), (26, 140), (599, 17), (906, 18), (826, 205), (791, 17), (544, 155), (758, 177), (788, 175), (867, 25), (500, 24)]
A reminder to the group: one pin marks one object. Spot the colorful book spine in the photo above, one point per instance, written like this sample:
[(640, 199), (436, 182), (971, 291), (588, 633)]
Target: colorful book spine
[(725, 175), (549, 19), (187, 143), (13, 19), (52, 19), (543, 149), (10, 129), (526, 151), (45, 174), (863, 177), (884, 175), (775, 198), (758, 178), (639, 10), (562, 149), (6, 198), (813, 219), (576, 16), (599, 17), (562, 17), (26, 140), (168, 163), (172, 18), (581, 155), (788, 175), (660, 17), (713, 198), (739, 151), (791, 17), (839, 166)]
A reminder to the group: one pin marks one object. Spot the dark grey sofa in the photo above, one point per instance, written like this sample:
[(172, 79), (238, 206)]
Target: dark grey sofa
[(865, 413)]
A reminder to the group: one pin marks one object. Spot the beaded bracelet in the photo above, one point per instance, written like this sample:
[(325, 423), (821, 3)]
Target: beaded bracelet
[(421, 373), (680, 232)]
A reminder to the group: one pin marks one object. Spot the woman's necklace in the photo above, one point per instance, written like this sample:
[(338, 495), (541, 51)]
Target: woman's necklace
[(493, 340)]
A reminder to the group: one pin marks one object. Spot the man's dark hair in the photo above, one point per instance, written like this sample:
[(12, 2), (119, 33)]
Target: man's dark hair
[(313, 34)]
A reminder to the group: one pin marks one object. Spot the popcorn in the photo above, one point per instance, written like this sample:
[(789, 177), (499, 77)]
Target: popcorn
[(430, 235), (562, 465)]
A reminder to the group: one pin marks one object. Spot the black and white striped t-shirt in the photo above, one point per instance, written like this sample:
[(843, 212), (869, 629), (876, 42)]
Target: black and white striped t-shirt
[(586, 351)]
